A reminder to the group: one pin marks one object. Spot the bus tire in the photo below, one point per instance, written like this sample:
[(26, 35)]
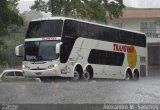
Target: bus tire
[(128, 76), (86, 76), (76, 76), (136, 75)]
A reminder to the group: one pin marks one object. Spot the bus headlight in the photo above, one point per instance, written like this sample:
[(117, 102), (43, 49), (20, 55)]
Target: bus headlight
[(55, 65), (23, 66)]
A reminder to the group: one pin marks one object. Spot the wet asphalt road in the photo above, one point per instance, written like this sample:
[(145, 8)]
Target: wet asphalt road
[(146, 90)]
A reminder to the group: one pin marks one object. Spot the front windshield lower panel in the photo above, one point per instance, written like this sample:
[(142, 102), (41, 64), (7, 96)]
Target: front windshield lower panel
[(44, 28), (40, 50)]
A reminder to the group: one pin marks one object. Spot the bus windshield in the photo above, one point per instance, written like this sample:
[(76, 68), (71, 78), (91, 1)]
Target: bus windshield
[(40, 50), (44, 28)]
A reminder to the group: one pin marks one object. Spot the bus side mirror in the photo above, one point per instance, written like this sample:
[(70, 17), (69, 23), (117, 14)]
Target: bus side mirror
[(58, 45), (19, 50)]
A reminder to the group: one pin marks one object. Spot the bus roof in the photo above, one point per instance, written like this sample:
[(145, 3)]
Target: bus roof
[(89, 22)]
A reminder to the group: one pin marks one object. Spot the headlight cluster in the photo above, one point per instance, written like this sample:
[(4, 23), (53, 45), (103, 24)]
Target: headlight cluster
[(53, 66), (25, 67)]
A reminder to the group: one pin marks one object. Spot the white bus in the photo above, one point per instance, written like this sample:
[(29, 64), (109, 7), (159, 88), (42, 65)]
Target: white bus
[(67, 47)]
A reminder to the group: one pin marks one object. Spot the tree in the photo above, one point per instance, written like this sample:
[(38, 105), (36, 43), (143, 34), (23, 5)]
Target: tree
[(9, 15), (9, 22), (12, 4), (90, 9), (114, 8)]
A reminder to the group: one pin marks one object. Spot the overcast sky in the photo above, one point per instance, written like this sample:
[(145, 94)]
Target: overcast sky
[(25, 4)]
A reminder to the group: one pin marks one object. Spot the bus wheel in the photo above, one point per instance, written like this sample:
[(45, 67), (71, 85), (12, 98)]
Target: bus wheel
[(128, 76), (136, 75), (76, 76), (86, 76)]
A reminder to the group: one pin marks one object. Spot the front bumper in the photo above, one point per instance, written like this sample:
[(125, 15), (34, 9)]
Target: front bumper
[(41, 73)]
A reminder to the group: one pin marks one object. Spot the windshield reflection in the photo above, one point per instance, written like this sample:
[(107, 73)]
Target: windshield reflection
[(40, 50)]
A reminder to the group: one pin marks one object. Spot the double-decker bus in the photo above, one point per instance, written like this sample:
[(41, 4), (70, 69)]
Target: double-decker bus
[(66, 47)]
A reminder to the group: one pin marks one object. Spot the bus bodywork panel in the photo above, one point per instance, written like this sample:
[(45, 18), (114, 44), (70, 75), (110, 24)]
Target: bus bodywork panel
[(82, 48), (108, 50)]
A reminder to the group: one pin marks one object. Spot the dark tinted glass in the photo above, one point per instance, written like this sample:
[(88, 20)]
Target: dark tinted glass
[(86, 30), (10, 74), (40, 50), (45, 28), (105, 57), (18, 73), (68, 39), (74, 29)]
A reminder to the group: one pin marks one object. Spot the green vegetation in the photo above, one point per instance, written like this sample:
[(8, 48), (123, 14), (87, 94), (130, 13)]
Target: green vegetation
[(98, 10), (11, 26), (9, 15)]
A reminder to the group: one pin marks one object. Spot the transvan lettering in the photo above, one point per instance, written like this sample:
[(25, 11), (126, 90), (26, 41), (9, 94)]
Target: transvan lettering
[(123, 48)]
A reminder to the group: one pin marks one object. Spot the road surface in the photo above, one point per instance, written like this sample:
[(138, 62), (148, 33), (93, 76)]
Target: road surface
[(146, 90)]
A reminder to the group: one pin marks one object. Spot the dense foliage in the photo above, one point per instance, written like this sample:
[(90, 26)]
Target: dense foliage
[(99, 10), (11, 34), (9, 15)]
